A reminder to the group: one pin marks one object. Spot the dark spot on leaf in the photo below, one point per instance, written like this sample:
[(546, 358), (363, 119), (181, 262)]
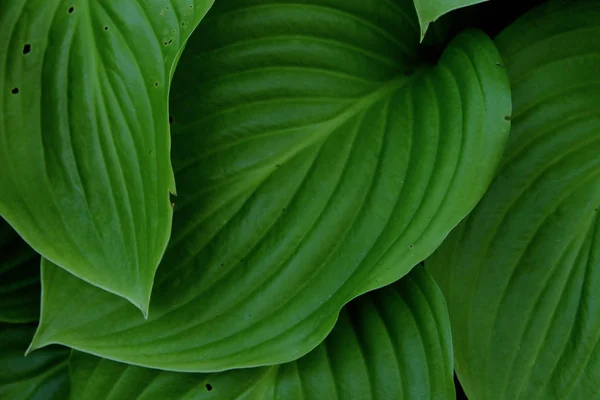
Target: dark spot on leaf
[(71, 9), (191, 6), (507, 118), (277, 165), (26, 49), (15, 90), (170, 119), (411, 246), (208, 387), (150, 152), (155, 83), (222, 265), (106, 28), (170, 41)]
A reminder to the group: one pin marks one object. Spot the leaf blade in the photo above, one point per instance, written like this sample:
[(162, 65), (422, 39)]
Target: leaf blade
[(429, 11), (363, 358), (520, 272), (289, 207), (85, 134)]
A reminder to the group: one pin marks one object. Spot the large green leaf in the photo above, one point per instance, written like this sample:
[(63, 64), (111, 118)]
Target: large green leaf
[(84, 132), (522, 273), (19, 278), (313, 166), (430, 10), (390, 344), (40, 376)]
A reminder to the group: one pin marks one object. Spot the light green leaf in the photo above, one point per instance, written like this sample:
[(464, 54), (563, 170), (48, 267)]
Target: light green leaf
[(84, 132), (393, 343), (19, 278), (311, 169), (429, 11), (40, 376), (522, 273)]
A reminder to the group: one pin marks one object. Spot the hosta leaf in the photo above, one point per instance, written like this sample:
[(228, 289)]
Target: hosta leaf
[(311, 169), (84, 132), (40, 376), (522, 274), (393, 343), (430, 10), (19, 278)]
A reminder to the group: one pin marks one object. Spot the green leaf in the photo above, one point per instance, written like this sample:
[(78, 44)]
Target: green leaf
[(311, 170), (393, 343), (522, 273), (19, 278), (84, 133), (429, 11), (40, 376)]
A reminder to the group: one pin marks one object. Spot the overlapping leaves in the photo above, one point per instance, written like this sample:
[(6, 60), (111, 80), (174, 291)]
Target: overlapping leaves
[(19, 278), (429, 11), (390, 344), (316, 159), (522, 273), (84, 143), (41, 376)]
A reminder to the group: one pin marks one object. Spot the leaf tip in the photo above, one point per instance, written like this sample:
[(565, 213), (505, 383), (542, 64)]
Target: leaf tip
[(37, 342)]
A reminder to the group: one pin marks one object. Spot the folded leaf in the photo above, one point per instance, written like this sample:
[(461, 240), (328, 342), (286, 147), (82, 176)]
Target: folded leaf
[(19, 278), (40, 376), (429, 11), (393, 343), (85, 164), (311, 169), (522, 273)]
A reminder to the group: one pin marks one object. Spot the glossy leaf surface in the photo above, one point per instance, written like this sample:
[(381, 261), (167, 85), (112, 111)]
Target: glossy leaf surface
[(393, 343), (40, 376), (84, 133), (522, 273), (19, 278), (316, 160)]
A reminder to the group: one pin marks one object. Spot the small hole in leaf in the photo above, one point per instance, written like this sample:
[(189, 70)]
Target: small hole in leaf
[(191, 6), (170, 120), (106, 28), (26, 49), (155, 83), (15, 90), (71, 9), (208, 387), (508, 118)]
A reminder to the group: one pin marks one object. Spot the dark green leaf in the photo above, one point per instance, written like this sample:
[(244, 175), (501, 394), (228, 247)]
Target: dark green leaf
[(40, 376), (316, 160), (522, 273), (429, 11), (390, 344), (84, 132), (19, 278)]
